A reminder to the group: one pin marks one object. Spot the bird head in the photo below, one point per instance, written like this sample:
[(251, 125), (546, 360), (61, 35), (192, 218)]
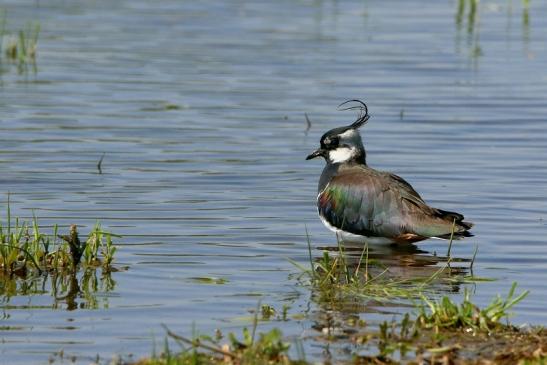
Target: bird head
[(344, 144)]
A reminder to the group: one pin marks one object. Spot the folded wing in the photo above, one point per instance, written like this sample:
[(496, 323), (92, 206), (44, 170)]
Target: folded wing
[(367, 202)]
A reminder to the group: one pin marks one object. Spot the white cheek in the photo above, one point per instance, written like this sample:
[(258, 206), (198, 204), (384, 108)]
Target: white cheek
[(341, 154)]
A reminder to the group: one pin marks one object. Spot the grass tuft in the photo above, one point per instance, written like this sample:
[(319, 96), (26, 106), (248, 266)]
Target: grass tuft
[(338, 277), (25, 249), (268, 348), (445, 313), (19, 47)]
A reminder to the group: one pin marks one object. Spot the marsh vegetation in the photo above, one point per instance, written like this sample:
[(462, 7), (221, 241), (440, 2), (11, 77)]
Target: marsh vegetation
[(19, 47), (438, 329), (25, 250), (32, 260)]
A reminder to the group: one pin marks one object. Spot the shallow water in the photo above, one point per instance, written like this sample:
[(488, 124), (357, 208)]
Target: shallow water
[(199, 109)]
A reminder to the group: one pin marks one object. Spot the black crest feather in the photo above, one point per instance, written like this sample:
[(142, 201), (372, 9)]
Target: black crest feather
[(363, 116)]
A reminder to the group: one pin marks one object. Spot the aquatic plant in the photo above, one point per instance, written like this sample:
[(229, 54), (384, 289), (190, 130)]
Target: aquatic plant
[(21, 46), (446, 332), (2, 28), (24, 248), (338, 278), (267, 311), (87, 289), (264, 348), (445, 313), (432, 330), (438, 335)]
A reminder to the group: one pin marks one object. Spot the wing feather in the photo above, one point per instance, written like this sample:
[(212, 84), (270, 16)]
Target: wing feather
[(366, 202)]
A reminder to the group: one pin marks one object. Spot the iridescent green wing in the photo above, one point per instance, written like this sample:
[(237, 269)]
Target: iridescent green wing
[(367, 202), (361, 201)]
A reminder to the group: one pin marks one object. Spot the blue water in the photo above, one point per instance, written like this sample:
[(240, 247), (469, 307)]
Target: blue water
[(199, 109)]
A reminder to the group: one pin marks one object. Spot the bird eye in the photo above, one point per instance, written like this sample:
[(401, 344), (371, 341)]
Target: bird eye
[(331, 141)]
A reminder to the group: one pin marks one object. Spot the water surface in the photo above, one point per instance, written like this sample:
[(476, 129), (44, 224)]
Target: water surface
[(199, 109)]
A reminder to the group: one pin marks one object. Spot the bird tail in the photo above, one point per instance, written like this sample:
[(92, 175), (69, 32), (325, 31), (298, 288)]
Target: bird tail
[(461, 228)]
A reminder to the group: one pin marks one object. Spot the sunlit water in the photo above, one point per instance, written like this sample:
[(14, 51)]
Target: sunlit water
[(199, 109)]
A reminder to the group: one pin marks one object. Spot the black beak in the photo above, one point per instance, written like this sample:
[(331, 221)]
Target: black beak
[(316, 153)]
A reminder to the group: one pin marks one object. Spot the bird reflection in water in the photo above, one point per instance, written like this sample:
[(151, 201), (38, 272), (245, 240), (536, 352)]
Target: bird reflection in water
[(405, 261)]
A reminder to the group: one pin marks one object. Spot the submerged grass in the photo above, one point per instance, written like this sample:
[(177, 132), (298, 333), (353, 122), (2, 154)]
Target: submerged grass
[(24, 249), (87, 289), (251, 349), (35, 263), (433, 331), (434, 327), (339, 278), (442, 332), (19, 47)]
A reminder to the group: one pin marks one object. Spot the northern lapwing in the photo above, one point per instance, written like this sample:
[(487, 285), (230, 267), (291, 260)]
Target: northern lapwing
[(362, 204)]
